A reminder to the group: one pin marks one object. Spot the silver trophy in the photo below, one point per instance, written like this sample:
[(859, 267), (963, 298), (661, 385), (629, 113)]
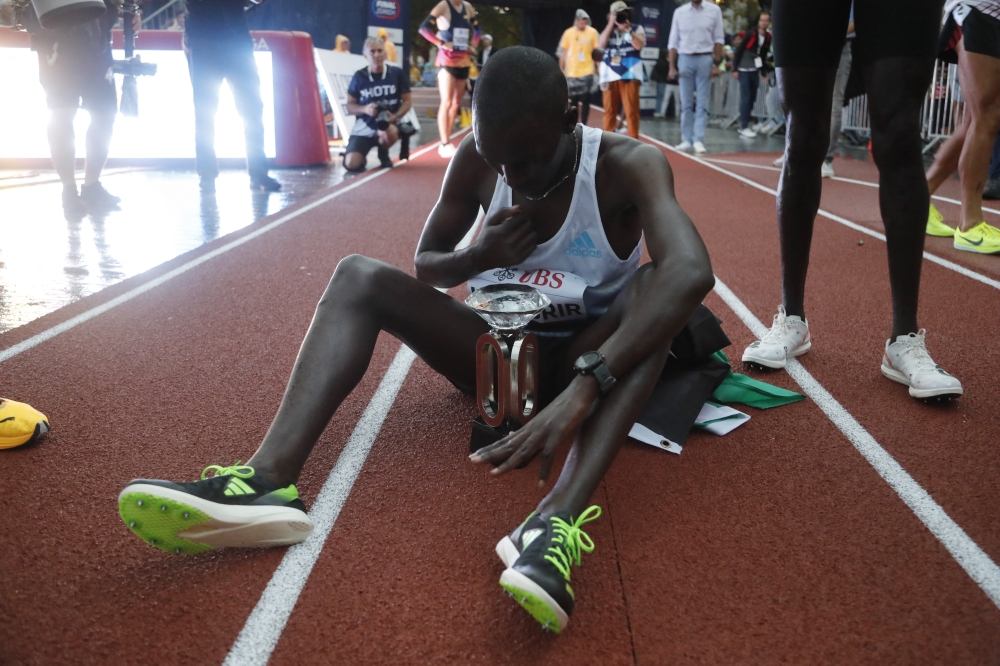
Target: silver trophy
[(506, 360)]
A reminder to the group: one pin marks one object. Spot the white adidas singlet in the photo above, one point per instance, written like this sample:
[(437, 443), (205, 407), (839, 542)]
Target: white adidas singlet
[(576, 268)]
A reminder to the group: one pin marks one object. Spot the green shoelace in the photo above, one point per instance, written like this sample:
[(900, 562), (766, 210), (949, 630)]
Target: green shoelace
[(238, 470), (570, 541)]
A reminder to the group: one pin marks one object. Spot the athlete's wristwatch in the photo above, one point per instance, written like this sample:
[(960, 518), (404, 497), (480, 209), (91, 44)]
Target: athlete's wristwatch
[(592, 363)]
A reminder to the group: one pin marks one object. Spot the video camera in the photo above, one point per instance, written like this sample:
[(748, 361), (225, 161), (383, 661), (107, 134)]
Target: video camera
[(132, 66)]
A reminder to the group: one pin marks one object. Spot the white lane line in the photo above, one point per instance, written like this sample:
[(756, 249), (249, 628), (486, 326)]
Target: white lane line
[(260, 635), (962, 270), (73, 322), (976, 563), (839, 178), (263, 628)]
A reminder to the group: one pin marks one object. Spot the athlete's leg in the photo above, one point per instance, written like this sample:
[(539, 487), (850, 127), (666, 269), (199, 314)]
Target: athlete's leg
[(806, 94), (896, 89), (102, 125), (62, 144), (446, 88), (604, 431), (946, 158), (364, 297), (980, 78)]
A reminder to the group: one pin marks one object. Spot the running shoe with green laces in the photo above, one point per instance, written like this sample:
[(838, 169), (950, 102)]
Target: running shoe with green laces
[(982, 238), (510, 547), (539, 578), (936, 225), (231, 508)]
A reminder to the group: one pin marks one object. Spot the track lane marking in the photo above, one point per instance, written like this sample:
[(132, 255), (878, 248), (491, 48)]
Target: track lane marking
[(962, 270), (73, 322), (262, 630), (976, 563), (838, 178)]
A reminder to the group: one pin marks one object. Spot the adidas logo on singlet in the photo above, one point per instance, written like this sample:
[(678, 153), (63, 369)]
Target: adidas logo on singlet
[(582, 246)]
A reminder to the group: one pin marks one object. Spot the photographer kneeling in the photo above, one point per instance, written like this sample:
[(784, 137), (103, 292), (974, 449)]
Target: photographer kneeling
[(379, 96)]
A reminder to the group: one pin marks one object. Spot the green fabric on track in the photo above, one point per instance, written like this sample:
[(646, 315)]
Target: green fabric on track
[(746, 391)]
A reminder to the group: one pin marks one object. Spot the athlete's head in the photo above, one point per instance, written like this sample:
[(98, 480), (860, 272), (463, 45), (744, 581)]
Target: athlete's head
[(520, 111)]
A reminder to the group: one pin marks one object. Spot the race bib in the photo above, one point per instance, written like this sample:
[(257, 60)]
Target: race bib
[(758, 63), (460, 39), (563, 288)]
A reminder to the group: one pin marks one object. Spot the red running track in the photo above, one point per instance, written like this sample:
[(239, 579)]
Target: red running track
[(778, 543)]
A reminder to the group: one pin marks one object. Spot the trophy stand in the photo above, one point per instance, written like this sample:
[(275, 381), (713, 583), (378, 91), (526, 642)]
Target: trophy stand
[(506, 361)]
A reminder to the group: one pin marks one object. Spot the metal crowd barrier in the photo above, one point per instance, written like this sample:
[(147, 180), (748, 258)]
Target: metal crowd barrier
[(942, 113)]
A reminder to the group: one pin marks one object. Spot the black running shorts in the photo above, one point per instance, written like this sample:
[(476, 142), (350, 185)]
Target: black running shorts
[(70, 86), (981, 33), (460, 73), (811, 33)]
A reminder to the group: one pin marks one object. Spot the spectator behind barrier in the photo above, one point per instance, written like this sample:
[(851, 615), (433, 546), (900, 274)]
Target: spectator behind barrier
[(379, 95), (749, 58), (342, 45), (576, 60), (621, 70), (695, 44)]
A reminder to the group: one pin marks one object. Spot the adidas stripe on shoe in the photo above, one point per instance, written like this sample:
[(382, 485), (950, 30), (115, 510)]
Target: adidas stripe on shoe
[(231, 508)]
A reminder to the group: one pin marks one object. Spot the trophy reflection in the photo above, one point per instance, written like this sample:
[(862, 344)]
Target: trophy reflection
[(506, 360)]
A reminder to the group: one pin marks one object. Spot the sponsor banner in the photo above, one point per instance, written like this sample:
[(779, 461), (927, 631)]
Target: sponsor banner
[(387, 13), (647, 15), (563, 288)]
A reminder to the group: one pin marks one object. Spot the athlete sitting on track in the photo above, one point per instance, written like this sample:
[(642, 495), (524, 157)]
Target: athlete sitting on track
[(568, 199)]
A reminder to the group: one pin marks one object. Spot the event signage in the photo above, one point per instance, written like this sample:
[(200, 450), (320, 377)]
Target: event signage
[(391, 15)]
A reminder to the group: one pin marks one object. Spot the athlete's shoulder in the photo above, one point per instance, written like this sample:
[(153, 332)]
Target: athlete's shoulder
[(624, 162)]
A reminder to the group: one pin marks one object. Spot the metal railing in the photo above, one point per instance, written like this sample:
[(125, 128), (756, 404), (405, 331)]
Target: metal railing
[(943, 110)]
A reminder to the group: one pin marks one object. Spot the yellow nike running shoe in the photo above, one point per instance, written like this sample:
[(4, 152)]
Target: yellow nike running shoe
[(20, 424), (936, 225), (982, 238)]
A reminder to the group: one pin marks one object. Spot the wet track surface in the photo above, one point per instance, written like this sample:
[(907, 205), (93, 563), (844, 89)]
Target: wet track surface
[(778, 543)]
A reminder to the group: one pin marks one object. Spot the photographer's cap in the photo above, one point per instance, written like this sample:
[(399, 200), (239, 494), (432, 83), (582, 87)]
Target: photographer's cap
[(580, 14), (619, 6)]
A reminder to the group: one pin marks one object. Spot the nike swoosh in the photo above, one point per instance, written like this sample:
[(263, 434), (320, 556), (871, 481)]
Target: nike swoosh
[(9, 418), (972, 242)]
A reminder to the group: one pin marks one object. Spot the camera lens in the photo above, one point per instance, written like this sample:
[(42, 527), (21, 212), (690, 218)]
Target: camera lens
[(621, 17)]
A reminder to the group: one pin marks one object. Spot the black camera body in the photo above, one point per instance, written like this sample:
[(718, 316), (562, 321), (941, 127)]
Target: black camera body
[(621, 18), (382, 119)]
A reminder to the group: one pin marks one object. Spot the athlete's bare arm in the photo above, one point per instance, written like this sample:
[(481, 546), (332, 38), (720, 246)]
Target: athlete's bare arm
[(506, 239)]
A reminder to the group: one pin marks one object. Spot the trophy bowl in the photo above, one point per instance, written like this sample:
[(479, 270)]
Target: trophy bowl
[(507, 308)]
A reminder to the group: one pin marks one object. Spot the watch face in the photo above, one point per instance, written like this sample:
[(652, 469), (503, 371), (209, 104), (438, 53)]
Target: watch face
[(588, 360)]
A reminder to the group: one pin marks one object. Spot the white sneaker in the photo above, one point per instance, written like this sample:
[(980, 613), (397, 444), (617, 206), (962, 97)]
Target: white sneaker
[(699, 148), (446, 150), (683, 145), (748, 133), (788, 337), (906, 361), (827, 170), (659, 115), (780, 162)]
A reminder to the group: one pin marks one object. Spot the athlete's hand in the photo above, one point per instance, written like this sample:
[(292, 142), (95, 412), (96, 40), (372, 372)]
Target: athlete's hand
[(555, 424), (507, 239), (447, 46)]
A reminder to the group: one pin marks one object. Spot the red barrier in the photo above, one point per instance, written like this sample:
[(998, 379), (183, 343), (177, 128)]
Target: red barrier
[(299, 132)]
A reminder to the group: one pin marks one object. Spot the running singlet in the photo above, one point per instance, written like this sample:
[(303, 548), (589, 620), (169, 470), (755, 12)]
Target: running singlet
[(459, 33), (576, 268)]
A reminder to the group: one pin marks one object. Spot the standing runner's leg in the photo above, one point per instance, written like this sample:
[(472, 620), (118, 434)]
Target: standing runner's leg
[(946, 157), (980, 78), (446, 88), (806, 93), (837, 110), (896, 90), (364, 297), (630, 103), (611, 99), (685, 72)]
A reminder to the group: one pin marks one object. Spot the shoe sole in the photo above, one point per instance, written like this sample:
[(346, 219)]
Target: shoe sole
[(41, 428), (965, 248), (778, 365), (897, 376), (941, 234), (532, 598), (176, 522), (507, 552)]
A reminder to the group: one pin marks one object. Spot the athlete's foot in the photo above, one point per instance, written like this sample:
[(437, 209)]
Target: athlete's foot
[(446, 150), (539, 579), (906, 361), (510, 547), (73, 206), (787, 338), (780, 162), (826, 171), (264, 184), (98, 200), (233, 508), (936, 225), (982, 239)]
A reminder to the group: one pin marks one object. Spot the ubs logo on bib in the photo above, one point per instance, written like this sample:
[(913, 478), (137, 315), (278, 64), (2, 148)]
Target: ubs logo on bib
[(582, 246)]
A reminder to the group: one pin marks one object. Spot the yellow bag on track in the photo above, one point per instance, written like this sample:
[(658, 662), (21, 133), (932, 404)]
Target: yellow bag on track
[(20, 424)]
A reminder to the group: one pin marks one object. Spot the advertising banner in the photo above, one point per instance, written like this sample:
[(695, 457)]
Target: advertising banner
[(392, 16), (648, 14)]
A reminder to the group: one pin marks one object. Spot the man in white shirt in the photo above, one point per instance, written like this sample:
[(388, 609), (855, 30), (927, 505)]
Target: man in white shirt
[(695, 44)]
